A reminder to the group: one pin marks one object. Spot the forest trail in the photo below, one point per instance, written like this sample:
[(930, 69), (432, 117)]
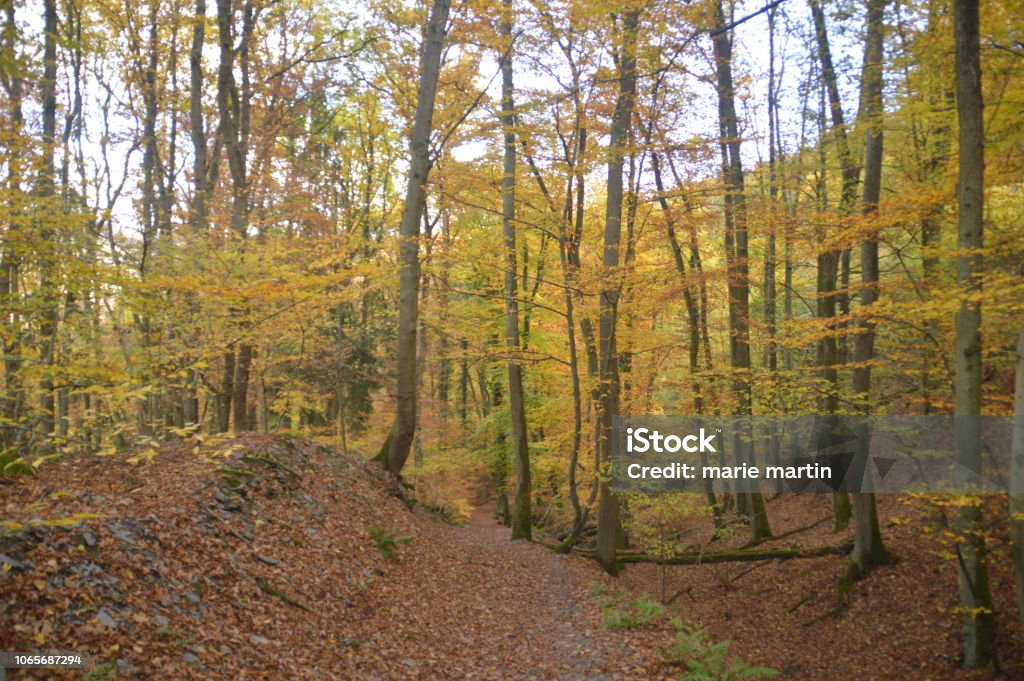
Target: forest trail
[(542, 601), (523, 610), (262, 557)]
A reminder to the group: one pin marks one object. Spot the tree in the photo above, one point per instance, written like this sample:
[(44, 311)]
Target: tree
[(10, 262), (522, 520), (975, 594), (1017, 477), (868, 550), (409, 232), (828, 259), (750, 501), (49, 314), (608, 374)]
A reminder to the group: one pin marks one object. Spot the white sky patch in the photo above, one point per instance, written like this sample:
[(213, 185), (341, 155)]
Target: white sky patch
[(699, 121)]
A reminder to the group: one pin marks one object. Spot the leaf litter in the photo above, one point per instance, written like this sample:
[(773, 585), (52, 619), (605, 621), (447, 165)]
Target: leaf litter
[(267, 557)]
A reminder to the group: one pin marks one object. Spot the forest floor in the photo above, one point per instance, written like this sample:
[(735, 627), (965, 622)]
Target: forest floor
[(263, 557)]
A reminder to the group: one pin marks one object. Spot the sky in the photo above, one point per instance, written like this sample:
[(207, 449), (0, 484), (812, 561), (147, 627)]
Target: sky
[(751, 59)]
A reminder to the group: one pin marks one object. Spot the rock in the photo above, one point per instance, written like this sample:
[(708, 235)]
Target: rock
[(125, 536), (14, 562), (226, 502), (190, 658), (87, 569), (259, 640), (105, 618), (269, 560)]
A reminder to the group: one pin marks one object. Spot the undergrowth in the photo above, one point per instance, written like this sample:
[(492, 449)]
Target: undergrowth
[(692, 648), (387, 543)]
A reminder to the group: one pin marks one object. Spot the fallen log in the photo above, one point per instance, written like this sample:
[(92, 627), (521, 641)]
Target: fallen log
[(739, 555)]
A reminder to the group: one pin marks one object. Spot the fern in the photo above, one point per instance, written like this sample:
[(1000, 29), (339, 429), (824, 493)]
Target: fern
[(387, 543), (707, 661)]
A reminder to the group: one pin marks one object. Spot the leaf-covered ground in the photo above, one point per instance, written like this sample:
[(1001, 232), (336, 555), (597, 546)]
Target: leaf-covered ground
[(271, 558)]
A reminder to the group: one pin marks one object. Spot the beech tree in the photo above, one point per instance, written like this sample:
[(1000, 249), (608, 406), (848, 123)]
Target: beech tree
[(608, 374), (522, 519), (975, 593), (828, 259), (750, 501), (409, 232), (1017, 477), (868, 549)]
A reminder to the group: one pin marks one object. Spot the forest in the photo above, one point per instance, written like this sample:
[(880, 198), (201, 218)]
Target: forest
[(322, 319)]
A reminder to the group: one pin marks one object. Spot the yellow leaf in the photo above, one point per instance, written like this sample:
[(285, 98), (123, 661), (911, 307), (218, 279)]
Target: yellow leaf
[(69, 520), (144, 456)]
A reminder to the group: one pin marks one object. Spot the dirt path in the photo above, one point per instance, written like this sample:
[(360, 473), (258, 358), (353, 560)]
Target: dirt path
[(498, 609), (176, 574)]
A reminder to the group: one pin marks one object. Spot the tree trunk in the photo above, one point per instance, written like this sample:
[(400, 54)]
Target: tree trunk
[(522, 520), (608, 525), (49, 312), (868, 550), (151, 213), (749, 499), (567, 239), (227, 391), (10, 263), (240, 388), (975, 595), (771, 260), (692, 315), (463, 382), (233, 103), (409, 231), (1017, 477), (197, 131), (828, 261)]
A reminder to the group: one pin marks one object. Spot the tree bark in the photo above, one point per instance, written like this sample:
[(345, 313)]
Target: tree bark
[(240, 388), (49, 309), (1017, 477), (749, 500), (975, 594), (828, 261), (10, 262), (151, 211), (692, 315), (409, 273), (608, 525), (770, 288), (522, 520), (197, 126), (227, 391), (233, 104), (868, 550)]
